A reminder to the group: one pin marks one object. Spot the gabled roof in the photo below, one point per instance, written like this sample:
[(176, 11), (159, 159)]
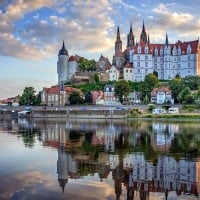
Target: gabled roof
[(160, 89), (128, 65)]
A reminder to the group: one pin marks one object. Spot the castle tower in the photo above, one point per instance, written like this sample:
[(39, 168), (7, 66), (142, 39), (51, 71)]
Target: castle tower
[(143, 35), (62, 65), (130, 38)]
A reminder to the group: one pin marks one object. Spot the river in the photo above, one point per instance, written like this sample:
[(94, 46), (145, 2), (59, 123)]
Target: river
[(99, 159)]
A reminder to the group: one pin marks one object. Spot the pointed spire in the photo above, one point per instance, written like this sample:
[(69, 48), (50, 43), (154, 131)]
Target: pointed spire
[(63, 51), (131, 27), (143, 35), (148, 39), (118, 33), (143, 27), (166, 40), (63, 44)]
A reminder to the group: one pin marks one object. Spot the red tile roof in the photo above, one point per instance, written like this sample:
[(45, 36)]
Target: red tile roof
[(160, 89)]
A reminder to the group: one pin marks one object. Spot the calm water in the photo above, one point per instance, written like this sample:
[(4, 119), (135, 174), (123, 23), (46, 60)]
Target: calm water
[(59, 159)]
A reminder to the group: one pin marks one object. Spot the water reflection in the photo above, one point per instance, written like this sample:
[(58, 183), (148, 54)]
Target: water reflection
[(140, 159)]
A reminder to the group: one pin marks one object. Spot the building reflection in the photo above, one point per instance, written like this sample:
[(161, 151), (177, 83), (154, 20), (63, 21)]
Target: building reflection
[(129, 168)]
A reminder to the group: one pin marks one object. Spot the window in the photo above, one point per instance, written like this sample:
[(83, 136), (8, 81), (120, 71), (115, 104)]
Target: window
[(138, 64), (127, 71), (146, 64), (146, 57), (138, 57)]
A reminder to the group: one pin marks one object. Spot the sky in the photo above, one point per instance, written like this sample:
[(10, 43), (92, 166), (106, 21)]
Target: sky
[(32, 32)]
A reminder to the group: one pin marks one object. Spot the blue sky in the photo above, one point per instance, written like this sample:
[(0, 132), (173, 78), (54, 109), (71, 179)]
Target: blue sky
[(31, 33)]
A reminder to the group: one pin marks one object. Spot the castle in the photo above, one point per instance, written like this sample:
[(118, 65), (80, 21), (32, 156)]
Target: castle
[(168, 60), (141, 58)]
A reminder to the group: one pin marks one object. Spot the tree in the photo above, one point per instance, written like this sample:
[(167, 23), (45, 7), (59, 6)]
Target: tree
[(176, 85), (75, 98), (192, 82), (185, 96), (155, 73), (149, 83), (86, 65), (122, 89), (28, 97)]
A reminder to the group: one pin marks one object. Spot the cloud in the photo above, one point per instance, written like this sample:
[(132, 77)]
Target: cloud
[(85, 26), (175, 22)]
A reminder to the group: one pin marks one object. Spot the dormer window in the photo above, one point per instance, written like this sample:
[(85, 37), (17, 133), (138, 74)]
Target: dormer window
[(146, 50), (156, 51), (189, 50), (174, 51), (139, 49), (161, 52), (179, 50)]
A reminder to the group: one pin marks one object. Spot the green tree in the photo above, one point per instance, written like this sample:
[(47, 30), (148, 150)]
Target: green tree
[(149, 83), (155, 73), (192, 82), (176, 85), (86, 65), (122, 89), (185, 96), (75, 98), (28, 97)]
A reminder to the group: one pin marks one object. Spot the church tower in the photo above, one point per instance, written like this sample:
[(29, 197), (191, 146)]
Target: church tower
[(62, 65), (119, 57), (118, 42), (130, 38), (143, 35)]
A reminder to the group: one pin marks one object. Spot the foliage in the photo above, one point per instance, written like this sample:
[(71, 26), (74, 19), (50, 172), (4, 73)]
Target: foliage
[(75, 98), (149, 83), (185, 96), (28, 97), (122, 89), (151, 107), (155, 73), (192, 82), (176, 85), (96, 78), (86, 65)]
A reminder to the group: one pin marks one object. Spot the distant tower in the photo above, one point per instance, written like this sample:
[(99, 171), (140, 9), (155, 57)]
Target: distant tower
[(119, 57), (62, 65), (118, 42), (143, 35), (130, 38)]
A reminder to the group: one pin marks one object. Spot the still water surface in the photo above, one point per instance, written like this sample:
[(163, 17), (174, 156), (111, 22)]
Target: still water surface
[(112, 159)]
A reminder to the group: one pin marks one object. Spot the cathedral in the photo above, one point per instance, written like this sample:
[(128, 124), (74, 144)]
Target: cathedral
[(168, 60)]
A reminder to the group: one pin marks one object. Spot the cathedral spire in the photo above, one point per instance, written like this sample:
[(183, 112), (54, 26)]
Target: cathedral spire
[(166, 40), (130, 37), (143, 35), (118, 33), (118, 42), (148, 39)]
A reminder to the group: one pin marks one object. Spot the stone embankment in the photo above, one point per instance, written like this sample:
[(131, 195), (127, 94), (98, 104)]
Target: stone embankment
[(73, 114)]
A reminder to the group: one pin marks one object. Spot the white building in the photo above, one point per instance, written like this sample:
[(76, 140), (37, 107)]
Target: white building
[(113, 73), (128, 72), (168, 60), (161, 95)]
